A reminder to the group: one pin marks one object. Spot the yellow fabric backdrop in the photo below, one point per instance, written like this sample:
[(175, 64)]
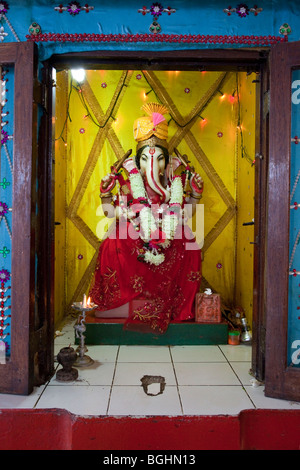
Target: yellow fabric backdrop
[(205, 109)]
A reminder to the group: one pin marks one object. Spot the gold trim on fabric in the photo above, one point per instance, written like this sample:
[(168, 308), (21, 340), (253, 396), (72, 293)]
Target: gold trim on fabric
[(209, 169), (165, 98), (218, 227)]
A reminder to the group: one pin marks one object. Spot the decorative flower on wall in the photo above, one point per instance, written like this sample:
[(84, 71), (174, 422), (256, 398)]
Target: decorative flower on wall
[(4, 137), (3, 8), (4, 183), (74, 8), (156, 10), (4, 252), (4, 275), (242, 10), (3, 209)]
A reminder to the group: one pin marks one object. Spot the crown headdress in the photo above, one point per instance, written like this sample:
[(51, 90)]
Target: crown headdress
[(152, 126)]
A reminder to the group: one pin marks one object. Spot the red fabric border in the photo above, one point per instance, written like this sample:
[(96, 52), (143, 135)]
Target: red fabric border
[(162, 38)]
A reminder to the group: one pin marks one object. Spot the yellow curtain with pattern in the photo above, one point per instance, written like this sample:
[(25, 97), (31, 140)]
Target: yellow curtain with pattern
[(211, 120)]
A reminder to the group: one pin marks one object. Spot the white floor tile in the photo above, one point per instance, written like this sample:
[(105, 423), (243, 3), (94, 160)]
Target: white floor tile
[(240, 352), (257, 395), (103, 353), (214, 400), (242, 370), (213, 373), (144, 354), (211, 380), (129, 400), (130, 373), (95, 374), (85, 400), (20, 401), (197, 354)]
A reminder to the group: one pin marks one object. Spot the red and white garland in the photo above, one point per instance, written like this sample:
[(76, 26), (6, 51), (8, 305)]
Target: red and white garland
[(157, 234)]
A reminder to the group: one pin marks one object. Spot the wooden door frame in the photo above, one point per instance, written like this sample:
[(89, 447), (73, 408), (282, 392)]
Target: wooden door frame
[(17, 375), (282, 379), (31, 361), (204, 60)]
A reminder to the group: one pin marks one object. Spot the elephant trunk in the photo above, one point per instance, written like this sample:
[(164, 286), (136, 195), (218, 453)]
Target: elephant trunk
[(153, 179)]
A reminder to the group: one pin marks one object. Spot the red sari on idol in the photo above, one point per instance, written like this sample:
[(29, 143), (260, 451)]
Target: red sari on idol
[(157, 294)]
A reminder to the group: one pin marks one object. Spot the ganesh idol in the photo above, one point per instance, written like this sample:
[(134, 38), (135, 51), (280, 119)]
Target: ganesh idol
[(149, 267)]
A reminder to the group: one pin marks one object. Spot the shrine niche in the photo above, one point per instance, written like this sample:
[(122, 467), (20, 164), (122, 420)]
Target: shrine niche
[(211, 119)]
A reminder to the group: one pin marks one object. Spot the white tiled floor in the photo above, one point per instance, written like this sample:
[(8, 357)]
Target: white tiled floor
[(200, 380)]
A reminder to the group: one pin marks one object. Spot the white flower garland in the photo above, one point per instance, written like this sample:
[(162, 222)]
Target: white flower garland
[(169, 225), (176, 191), (148, 223), (137, 185), (153, 257)]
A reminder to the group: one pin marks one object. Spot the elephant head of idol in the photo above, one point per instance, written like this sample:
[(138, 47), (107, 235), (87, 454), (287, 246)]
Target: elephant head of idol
[(152, 156)]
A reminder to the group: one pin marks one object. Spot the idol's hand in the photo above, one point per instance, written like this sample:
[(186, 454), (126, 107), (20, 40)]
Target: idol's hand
[(196, 183), (184, 160), (107, 183), (116, 166)]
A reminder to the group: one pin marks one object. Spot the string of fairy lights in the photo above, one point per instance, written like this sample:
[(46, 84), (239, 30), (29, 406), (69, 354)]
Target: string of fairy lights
[(78, 76)]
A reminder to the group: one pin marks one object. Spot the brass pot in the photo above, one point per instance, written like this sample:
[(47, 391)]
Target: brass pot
[(66, 357)]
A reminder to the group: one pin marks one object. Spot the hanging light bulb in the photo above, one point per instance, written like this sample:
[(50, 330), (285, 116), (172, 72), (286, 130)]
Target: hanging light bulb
[(78, 75)]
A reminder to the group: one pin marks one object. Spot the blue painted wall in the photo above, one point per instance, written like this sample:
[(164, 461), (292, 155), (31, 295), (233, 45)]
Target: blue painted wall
[(293, 353), (122, 17)]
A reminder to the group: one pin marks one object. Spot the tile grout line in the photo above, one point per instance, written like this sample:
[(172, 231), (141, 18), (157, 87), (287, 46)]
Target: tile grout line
[(242, 385), (112, 382), (177, 385), (45, 386)]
